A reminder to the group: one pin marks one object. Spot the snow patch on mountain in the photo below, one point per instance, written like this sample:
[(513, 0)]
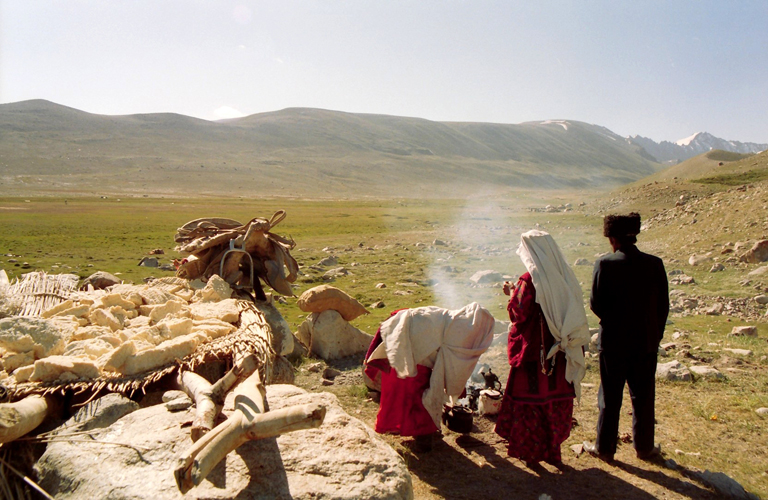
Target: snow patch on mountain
[(687, 140), (562, 123)]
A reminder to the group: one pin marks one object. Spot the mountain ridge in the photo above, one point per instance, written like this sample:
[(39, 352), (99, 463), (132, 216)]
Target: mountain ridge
[(48, 147), (694, 145)]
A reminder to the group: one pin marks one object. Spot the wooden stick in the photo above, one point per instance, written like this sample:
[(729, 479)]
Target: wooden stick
[(199, 390), (27, 480), (248, 421), (243, 368), (21, 417), (208, 398)]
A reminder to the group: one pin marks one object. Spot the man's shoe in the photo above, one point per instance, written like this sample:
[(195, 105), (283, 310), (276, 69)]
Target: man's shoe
[(591, 448), (654, 453)]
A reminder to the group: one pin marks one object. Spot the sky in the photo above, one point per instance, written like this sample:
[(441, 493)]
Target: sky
[(656, 68)]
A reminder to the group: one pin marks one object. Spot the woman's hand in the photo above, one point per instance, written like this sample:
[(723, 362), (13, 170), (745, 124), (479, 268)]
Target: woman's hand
[(507, 287)]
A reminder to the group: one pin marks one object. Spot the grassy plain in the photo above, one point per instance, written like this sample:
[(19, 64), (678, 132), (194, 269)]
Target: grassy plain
[(425, 252)]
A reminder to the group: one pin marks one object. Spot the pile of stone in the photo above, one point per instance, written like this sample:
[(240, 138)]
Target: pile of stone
[(567, 207), (123, 330), (748, 309)]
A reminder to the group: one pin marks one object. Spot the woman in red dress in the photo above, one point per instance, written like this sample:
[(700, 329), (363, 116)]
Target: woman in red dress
[(546, 369)]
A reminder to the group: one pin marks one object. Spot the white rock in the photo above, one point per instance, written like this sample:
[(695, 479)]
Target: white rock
[(154, 295), (723, 484), (342, 459), (486, 276), (331, 337), (175, 307), (90, 348), (747, 331), (43, 336), (762, 411), (335, 273), (707, 372), (174, 327), (224, 310), (759, 271), (331, 260), (104, 317), (740, 352), (715, 309), (761, 299), (23, 373), (14, 360), (54, 367), (216, 289), (696, 260), (673, 370)]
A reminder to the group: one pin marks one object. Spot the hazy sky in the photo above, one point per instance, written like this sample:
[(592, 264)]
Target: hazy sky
[(662, 69)]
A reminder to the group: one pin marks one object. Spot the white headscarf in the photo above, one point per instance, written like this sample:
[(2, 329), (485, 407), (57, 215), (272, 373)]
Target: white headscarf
[(559, 294)]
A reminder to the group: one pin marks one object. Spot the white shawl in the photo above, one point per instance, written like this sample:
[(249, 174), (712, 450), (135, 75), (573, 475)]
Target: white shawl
[(449, 342), (559, 294)]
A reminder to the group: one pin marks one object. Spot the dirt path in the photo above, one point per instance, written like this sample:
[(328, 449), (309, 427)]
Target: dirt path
[(476, 466)]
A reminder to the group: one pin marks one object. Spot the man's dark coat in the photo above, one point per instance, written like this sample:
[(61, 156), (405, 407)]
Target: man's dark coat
[(630, 295)]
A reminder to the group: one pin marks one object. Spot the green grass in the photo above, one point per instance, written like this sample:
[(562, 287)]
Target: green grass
[(721, 155), (392, 242), (736, 179)]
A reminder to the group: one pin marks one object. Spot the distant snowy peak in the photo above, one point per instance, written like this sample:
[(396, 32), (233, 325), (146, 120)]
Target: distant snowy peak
[(698, 143), (688, 140)]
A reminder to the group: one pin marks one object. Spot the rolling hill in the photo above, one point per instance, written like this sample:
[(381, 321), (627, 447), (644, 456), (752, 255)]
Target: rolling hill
[(50, 148)]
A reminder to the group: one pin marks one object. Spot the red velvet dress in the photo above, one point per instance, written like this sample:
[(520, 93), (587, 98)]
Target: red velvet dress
[(401, 410), (537, 408)]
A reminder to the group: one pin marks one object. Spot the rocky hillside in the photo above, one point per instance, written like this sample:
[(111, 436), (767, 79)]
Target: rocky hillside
[(45, 147), (704, 224)]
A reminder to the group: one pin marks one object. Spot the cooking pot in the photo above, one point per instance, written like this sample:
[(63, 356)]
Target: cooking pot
[(458, 418)]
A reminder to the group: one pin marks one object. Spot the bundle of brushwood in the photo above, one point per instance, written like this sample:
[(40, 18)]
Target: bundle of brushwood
[(35, 292), (239, 253)]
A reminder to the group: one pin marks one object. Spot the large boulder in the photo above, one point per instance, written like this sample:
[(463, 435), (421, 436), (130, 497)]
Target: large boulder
[(724, 485), (324, 297), (342, 459), (100, 280), (758, 253), (329, 336)]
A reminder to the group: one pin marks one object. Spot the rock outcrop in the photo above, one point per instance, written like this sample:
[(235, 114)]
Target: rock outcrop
[(342, 459)]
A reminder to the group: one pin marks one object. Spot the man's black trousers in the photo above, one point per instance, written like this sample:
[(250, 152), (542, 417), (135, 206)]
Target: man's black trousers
[(639, 373)]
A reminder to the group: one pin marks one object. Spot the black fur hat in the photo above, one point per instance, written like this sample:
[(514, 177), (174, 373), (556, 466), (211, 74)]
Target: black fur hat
[(621, 225)]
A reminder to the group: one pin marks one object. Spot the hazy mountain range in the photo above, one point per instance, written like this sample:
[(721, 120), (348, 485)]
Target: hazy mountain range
[(698, 143), (46, 147)]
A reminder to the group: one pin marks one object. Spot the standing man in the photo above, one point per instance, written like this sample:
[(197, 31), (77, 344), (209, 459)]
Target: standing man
[(630, 297)]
